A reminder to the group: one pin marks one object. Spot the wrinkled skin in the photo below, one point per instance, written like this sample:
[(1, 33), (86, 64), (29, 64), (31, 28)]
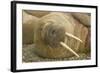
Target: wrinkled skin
[(50, 31)]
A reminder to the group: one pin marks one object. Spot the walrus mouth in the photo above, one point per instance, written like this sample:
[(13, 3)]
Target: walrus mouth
[(54, 37), (67, 47)]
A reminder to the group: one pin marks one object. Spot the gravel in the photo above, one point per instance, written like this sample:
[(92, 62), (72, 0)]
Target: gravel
[(28, 55)]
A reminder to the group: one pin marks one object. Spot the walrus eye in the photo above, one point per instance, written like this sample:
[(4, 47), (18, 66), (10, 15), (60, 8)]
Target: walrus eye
[(53, 32)]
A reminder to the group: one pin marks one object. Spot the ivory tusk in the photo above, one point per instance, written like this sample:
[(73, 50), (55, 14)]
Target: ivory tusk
[(68, 48), (70, 35)]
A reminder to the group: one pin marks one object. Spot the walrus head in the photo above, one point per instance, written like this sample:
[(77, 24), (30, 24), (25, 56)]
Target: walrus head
[(52, 34)]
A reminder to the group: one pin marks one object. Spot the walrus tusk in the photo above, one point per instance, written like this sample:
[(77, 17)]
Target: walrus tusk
[(68, 48), (70, 35)]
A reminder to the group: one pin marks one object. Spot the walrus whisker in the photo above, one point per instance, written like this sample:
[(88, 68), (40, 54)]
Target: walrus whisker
[(70, 35), (68, 48)]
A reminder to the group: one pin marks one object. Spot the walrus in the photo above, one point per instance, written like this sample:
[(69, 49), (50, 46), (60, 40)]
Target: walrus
[(59, 35)]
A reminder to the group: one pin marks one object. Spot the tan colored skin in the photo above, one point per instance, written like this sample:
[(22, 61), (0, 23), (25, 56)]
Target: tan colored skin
[(37, 13), (34, 30), (48, 44), (83, 18), (28, 28)]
